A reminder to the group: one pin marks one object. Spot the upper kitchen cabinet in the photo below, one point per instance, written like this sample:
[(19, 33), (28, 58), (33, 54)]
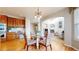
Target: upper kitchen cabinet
[(10, 21), (16, 22), (19, 23), (22, 23), (3, 19)]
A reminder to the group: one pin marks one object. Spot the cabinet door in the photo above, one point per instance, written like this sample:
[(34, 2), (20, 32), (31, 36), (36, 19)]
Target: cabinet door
[(16, 22), (20, 23), (13, 22), (9, 21), (3, 19), (23, 23)]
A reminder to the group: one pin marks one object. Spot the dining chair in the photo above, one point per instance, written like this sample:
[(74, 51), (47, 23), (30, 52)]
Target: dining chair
[(46, 42), (29, 42)]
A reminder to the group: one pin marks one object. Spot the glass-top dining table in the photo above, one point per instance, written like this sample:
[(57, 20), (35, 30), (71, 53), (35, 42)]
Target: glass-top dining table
[(37, 38), (37, 42)]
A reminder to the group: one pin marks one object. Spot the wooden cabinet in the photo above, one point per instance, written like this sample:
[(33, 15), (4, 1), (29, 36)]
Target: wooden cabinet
[(21, 23), (15, 22), (12, 22), (3, 19)]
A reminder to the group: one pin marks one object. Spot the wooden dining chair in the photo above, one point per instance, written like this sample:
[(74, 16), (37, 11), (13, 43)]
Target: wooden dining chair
[(29, 42), (46, 42)]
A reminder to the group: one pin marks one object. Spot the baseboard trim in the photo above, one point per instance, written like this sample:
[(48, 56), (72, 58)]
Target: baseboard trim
[(72, 47)]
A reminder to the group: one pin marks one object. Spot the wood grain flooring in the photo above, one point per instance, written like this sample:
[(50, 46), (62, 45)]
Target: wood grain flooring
[(18, 45), (57, 45), (14, 45)]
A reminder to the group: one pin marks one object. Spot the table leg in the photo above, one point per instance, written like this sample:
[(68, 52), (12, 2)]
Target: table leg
[(38, 43)]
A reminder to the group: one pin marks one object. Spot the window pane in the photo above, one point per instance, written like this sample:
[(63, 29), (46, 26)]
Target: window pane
[(76, 16), (76, 23), (77, 31)]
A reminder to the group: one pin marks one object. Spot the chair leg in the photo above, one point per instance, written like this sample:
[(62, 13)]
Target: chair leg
[(24, 46), (39, 46), (35, 45), (51, 47), (27, 47), (46, 48)]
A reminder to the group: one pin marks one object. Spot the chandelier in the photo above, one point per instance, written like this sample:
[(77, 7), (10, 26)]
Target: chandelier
[(38, 14)]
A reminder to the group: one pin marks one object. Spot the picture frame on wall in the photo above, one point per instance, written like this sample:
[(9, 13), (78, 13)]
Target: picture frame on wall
[(60, 24), (52, 25)]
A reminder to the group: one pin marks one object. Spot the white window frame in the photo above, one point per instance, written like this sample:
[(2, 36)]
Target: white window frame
[(76, 23)]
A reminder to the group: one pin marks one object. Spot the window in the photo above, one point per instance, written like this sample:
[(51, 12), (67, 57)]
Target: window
[(76, 23)]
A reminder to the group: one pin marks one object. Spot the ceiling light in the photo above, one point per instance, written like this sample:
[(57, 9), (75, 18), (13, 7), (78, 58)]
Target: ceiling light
[(37, 14)]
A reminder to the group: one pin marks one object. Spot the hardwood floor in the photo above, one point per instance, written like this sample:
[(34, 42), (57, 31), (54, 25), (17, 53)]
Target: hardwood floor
[(14, 45), (18, 45), (57, 45)]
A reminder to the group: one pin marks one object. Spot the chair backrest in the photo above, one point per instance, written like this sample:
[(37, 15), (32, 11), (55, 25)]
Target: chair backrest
[(25, 37), (48, 39), (12, 36)]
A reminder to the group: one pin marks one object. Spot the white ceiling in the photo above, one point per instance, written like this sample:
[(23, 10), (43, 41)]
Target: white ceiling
[(29, 12)]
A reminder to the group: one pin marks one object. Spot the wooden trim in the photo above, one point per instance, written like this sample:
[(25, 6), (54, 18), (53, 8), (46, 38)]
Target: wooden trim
[(72, 47)]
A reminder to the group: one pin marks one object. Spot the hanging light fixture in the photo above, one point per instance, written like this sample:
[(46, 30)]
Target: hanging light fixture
[(38, 14)]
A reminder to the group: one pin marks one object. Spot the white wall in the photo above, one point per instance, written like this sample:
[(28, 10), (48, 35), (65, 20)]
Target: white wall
[(68, 28), (54, 21)]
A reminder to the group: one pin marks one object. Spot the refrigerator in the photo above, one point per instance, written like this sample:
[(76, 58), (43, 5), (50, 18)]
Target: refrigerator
[(2, 30)]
